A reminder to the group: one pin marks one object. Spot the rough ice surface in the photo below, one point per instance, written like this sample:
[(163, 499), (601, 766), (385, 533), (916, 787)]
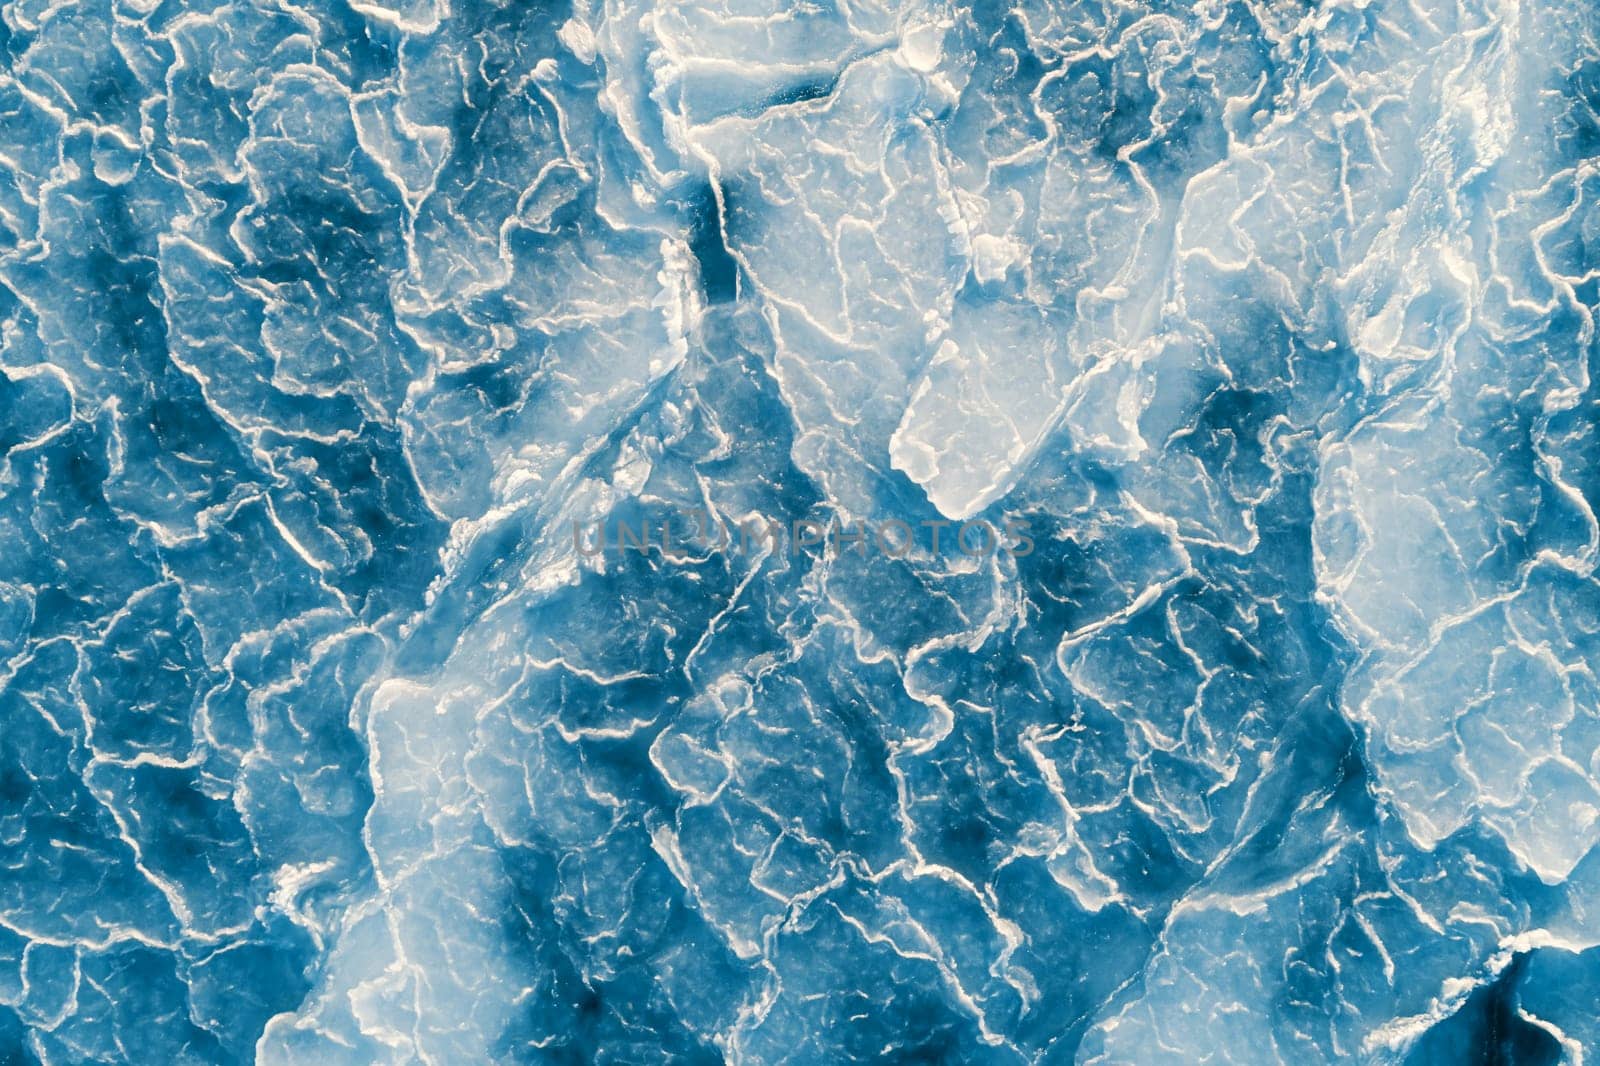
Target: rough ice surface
[(325, 324)]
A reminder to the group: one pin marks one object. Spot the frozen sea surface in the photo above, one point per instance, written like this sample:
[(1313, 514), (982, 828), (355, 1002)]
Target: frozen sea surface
[(1267, 731)]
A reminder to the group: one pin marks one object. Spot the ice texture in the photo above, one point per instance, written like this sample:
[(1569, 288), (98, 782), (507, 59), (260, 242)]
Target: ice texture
[(324, 326)]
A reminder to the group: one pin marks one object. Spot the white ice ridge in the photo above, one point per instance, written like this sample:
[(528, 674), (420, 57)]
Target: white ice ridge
[(326, 329)]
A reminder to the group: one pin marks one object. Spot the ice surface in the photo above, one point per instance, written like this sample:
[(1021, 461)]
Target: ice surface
[(325, 328)]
